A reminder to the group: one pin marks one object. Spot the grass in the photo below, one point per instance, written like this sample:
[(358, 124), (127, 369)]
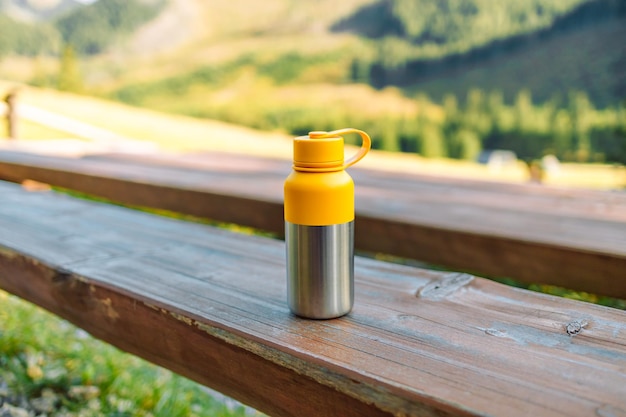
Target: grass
[(44, 358), (566, 293)]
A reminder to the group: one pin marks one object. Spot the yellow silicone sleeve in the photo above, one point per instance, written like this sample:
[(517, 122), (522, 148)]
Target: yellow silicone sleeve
[(319, 199)]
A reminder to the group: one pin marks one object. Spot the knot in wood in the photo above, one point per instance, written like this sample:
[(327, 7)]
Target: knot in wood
[(574, 327), (445, 286)]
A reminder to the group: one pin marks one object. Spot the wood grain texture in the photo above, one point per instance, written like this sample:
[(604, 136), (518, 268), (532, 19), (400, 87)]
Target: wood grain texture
[(211, 305), (572, 238)]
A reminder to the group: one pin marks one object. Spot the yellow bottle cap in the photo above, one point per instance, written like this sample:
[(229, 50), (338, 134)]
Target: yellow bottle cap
[(318, 151), (323, 151)]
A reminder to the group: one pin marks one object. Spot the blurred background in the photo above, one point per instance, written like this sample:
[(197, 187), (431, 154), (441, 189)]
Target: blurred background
[(542, 80)]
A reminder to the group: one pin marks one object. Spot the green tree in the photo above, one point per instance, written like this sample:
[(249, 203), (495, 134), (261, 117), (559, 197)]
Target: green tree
[(409, 135), (450, 107), (451, 124), (360, 71), (476, 115), (523, 110), (495, 102), (562, 134), (69, 74), (433, 144), (470, 145), (388, 131), (581, 110)]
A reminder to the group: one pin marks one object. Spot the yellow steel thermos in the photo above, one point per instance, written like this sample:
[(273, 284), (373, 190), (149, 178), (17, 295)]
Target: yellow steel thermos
[(319, 225)]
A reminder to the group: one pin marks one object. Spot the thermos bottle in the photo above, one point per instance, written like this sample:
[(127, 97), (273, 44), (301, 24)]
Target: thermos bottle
[(319, 225)]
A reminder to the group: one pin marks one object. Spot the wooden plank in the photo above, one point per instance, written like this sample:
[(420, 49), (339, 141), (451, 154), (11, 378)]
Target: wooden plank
[(572, 238), (210, 305)]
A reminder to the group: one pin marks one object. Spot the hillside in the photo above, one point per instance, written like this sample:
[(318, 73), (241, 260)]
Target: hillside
[(547, 46), (436, 29), (581, 49), (592, 59), (294, 66)]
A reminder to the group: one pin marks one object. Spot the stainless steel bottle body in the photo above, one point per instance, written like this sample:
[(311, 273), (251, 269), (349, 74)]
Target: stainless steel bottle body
[(320, 269)]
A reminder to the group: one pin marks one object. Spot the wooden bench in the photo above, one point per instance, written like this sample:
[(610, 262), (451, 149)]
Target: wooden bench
[(210, 305), (572, 238)]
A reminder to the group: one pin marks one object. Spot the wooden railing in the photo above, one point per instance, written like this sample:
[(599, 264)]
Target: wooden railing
[(210, 304)]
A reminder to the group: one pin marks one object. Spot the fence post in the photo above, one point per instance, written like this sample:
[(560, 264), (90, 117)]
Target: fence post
[(11, 115)]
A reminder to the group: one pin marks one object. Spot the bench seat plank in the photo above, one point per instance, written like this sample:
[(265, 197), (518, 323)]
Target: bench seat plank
[(210, 304), (572, 238)]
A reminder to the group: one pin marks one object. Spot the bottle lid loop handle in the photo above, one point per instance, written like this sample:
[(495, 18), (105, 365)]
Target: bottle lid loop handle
[(366, 143)]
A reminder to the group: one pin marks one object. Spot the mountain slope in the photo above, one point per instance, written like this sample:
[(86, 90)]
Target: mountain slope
[(581, 48), (592, 59), (437, 28)]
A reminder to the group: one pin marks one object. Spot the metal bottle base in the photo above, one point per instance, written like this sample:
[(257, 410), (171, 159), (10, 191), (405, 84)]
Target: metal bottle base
[(320, 269)]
